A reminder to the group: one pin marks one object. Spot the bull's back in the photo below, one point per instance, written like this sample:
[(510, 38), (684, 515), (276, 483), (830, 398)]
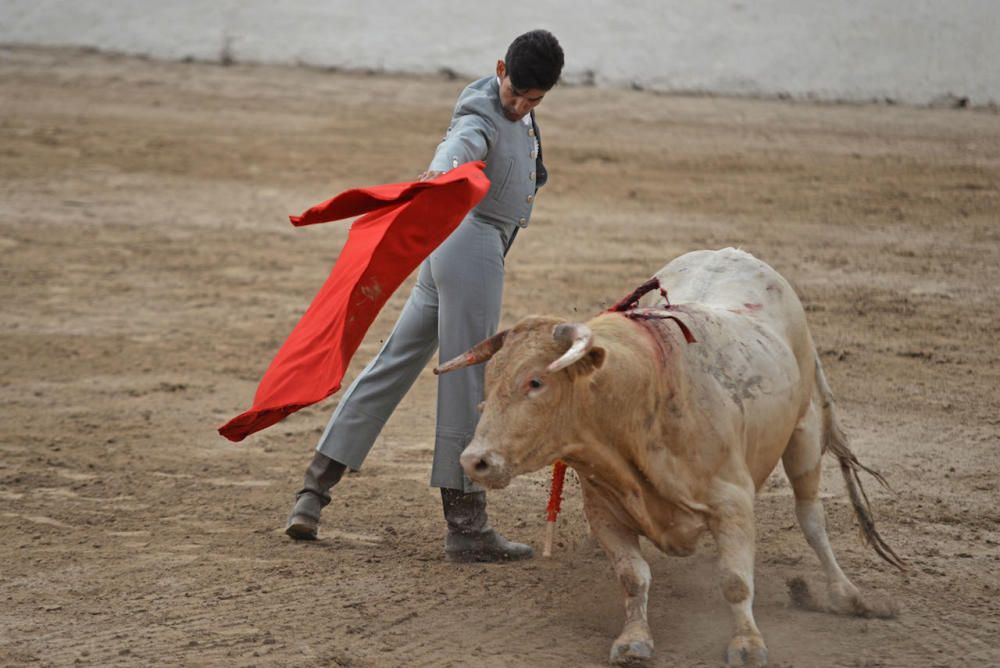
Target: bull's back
[(754, 352), (734, 281), (726, 278)]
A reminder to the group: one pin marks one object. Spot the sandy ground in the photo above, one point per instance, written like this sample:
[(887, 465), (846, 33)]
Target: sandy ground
[(149, 274)]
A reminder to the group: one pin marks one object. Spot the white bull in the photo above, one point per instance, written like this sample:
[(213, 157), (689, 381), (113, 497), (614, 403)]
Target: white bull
[(671, 438)]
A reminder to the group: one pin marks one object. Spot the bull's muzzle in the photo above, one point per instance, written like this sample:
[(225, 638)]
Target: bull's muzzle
[(485, 465)]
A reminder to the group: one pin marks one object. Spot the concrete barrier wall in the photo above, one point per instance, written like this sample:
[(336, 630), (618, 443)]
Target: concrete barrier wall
[(911, 51)]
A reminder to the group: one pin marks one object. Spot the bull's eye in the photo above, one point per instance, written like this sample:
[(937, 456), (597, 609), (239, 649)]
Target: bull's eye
[(533, 387)]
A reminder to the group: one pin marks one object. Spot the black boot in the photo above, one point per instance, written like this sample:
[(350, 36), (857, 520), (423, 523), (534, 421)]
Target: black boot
[(469, 536), (322, 474)]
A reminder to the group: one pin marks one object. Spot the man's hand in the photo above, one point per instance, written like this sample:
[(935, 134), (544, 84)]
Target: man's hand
[(429, 174)]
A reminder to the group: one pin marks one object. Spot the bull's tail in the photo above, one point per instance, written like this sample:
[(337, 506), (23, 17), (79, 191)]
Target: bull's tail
[(835, 441)]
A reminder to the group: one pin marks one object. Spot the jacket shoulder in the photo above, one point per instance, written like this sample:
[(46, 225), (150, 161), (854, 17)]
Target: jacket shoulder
[(480, 98)]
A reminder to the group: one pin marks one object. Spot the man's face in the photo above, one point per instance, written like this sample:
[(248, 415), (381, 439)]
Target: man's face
[(516, 103)]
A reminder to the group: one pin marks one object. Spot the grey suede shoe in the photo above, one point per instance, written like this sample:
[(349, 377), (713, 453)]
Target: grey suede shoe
[(470, 539), (303, 522), (485, 547), (321, 474)]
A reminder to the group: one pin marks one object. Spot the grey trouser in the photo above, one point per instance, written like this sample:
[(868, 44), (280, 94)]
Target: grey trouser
[(455, 304)]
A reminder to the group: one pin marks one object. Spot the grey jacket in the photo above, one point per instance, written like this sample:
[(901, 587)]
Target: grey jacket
[(480, 131)]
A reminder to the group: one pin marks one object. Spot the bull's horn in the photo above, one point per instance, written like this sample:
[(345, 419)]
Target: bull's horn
[(581, 340), (479, 353)]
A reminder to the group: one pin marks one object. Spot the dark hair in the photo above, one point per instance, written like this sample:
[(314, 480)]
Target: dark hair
[(534, 60)]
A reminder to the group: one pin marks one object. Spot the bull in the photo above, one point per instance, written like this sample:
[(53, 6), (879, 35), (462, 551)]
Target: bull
[(673, 415)]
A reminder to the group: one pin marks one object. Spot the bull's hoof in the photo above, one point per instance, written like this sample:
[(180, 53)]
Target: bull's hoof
[(746, 651), (635, 653), (849, 601)]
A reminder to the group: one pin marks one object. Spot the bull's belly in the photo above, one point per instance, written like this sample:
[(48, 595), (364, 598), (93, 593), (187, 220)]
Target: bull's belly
[(769, 426)]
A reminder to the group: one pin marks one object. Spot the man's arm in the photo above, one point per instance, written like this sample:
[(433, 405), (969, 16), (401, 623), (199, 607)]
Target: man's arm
[(469, 138)]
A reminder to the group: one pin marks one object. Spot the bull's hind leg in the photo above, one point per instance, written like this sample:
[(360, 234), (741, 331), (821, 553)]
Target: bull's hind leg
[(634, 646), (735, 534), (803, 467)]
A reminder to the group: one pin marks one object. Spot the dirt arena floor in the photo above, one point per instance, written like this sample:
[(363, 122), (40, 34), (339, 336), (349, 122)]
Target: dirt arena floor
[(149, 274)]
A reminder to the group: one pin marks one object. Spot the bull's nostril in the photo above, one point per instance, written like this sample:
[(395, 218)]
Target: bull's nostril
[(481, 465)]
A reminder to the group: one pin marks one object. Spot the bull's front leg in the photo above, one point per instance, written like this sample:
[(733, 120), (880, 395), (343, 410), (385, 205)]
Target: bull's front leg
[(634, 646), (735, 534)]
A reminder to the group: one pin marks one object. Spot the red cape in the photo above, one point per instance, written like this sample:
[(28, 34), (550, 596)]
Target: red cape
[(406, 222)]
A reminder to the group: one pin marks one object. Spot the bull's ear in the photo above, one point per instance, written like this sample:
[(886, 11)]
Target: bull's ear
[(589, 363), (597, 356), (582, 357)]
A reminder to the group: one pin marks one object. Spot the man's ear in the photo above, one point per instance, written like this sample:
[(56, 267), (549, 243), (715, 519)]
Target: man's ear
[(501, 69)]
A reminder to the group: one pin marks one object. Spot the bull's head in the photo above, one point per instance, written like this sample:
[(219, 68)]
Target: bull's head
[(532, 400)]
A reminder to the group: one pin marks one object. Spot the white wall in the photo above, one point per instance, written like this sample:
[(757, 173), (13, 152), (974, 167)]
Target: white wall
[(912, 51)]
